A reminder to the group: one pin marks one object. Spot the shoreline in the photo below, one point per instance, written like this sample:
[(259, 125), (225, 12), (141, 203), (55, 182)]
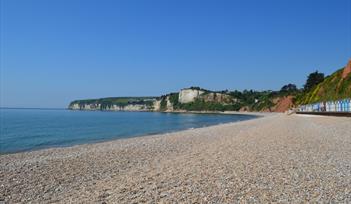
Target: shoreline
[(267, 159), (258, 115)]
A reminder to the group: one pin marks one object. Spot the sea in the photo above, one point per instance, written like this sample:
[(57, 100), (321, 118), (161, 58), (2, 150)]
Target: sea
[(32, 129)]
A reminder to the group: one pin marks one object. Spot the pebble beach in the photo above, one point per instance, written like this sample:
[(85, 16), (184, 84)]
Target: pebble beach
[(276, 158)]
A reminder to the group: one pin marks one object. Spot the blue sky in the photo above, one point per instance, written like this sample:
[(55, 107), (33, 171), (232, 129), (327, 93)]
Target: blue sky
[(56, 51)]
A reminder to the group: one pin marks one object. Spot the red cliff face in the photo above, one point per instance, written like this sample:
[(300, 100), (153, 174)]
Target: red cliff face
[(347, 70)]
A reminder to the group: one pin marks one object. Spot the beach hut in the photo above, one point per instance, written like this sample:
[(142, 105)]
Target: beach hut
[(348, 104), (343, 105), (323, 107), (338, 106), (333, 106), (316, 107), (329, 105), (304, 108)]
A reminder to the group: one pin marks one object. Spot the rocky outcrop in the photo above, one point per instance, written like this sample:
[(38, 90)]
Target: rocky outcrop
[(189, 95), (218, 98), (157, 105), (347, 70), (169, 104), (98, 107), (74, 106), (77, 106), (136, 107), (283, 104)]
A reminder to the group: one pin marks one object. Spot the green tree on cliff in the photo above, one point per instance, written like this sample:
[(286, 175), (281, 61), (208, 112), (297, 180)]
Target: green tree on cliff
[(313, 80), (289, 89)]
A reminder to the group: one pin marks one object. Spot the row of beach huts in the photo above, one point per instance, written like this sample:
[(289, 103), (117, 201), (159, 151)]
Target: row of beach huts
[(343, 105)]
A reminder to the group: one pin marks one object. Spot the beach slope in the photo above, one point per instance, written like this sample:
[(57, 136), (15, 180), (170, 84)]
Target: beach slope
[(277, 158)]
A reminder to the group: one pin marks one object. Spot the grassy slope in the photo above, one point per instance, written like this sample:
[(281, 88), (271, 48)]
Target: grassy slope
[(332, 88)]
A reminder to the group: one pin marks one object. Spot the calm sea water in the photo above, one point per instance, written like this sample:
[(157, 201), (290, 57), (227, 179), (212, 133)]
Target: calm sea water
[(29, 129)]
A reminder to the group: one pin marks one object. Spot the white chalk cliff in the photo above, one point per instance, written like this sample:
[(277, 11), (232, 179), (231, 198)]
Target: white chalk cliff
[(189, 95)]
